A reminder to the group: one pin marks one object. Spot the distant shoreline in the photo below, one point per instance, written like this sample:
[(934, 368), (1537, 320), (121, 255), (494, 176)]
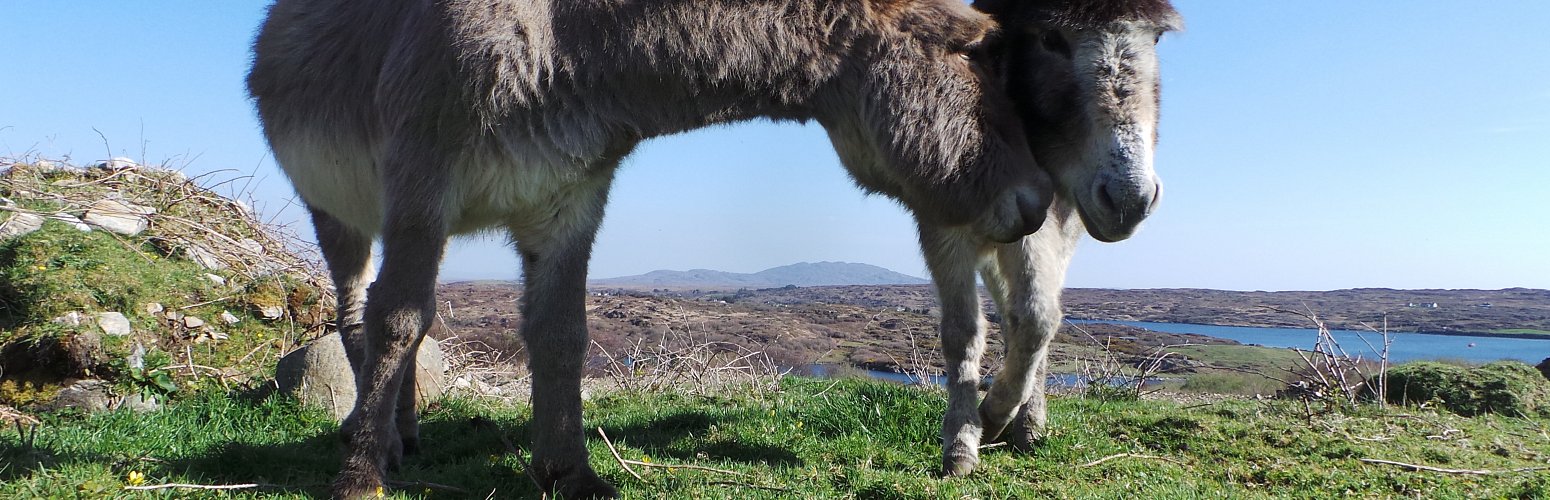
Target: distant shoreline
[(1527, 336)]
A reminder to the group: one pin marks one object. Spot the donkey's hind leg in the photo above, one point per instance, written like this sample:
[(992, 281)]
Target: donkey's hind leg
[(348, 254), (400, 306), (952, 258), (1027, 278), (555, 252)]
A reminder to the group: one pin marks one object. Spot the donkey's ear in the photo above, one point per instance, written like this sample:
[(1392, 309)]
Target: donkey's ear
[(948, 23)]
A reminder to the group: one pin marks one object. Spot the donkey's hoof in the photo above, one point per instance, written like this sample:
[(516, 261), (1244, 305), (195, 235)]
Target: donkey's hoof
[(357, 482), (1022, 437), (410, 444), (959, 460), (583, 484)]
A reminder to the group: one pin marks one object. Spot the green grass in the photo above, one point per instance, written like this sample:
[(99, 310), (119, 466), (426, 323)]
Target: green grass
[(812, 439)]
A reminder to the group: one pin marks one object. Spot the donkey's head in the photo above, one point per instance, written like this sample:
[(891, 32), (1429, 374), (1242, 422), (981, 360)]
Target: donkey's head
[(1083, 76)]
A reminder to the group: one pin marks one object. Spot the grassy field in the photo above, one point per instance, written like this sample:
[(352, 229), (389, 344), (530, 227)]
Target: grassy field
[(811, 439)]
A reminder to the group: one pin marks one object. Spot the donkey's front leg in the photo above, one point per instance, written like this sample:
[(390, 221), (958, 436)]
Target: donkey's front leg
[(554, 259), (400, 306), (1026, 278), (952, 257)]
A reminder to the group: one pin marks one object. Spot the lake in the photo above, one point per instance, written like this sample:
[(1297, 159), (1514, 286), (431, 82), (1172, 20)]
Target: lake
[(1406, 346)]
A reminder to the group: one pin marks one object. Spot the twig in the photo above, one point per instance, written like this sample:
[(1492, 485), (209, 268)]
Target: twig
[(746, 485), (428, 485), (693, 467), (1451, 471), (195, 486), (1095, 463), (516, 451), (616, 454)]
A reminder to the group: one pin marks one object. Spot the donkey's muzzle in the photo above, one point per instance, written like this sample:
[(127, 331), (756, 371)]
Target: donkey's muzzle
[(1017, 212)]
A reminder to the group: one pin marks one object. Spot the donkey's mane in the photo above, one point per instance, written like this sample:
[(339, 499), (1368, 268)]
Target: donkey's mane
[(1087, 14)]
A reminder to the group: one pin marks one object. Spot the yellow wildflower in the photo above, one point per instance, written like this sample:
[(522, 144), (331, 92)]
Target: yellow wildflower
[(135, 478), (380, 493)]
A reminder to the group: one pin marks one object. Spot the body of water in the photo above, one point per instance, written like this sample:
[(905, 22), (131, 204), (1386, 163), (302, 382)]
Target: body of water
[(1405, 347)]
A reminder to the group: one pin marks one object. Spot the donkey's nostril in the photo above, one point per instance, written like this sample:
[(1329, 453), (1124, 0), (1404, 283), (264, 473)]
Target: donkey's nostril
[(1104, 199)]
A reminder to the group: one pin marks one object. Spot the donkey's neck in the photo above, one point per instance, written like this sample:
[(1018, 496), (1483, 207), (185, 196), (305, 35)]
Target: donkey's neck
[(654, 68)]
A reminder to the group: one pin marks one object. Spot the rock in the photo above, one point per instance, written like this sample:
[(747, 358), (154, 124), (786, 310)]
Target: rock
[(1544, 367), (193, 322), (272, 312), (90, 396), (117, 163), (319, 374), (204, 257), (71, 318), (228, 318), (136, 359), (215, 278), (72, 220), (119, 217), (252, 246), (20, 224), (114, 324), (173, 316), (139, 403), (154, 308)]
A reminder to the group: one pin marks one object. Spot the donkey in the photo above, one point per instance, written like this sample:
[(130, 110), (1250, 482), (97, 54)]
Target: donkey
[(415, 120), (1083, 77)]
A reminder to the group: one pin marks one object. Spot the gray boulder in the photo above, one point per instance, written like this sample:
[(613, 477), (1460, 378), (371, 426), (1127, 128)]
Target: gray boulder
[(20, 224), (114, 323), (118, 217), (90, 396), (319, 374)]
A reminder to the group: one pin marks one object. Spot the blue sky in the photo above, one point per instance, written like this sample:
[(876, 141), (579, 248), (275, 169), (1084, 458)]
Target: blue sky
[(1305, 146)]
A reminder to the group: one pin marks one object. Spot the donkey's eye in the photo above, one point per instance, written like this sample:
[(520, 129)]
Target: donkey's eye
[(1053, 42)]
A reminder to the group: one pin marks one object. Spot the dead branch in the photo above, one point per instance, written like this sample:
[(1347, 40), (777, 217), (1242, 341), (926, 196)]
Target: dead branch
[(615, 451), (1095, 463), (187, 486), (1428, 468)]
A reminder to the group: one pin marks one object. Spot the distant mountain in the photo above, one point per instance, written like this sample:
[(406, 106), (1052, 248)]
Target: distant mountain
[(801, 274)]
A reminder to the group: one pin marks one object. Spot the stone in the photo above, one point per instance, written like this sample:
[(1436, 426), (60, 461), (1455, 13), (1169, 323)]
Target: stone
[(89, 395), (118, 217), (20, 224), (139, 403), (72, 220), (215, 278), (319, 374), (204, 257), (252, 246), (174, 316), (116, 163), (114, 324), (272, 312), (72, 318), (1544, 368), (193, 322), (154, 308), (229, 318)]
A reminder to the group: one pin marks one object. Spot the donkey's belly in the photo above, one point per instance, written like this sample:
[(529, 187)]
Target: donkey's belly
[(484, 190)]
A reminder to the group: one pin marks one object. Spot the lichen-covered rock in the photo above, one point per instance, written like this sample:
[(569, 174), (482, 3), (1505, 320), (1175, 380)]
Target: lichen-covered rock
[(1504, 387)]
